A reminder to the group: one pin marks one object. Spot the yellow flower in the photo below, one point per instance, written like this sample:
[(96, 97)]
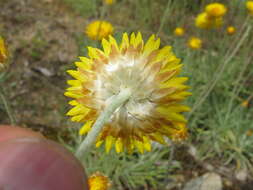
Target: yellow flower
[(195, 43), (154, 108), (231, 30), (249, 132), (97, 30), (179, 31), (98, 181), (215, 10), (249, 6), (3, 53), (204, 22), (109, 2), (245, 103)]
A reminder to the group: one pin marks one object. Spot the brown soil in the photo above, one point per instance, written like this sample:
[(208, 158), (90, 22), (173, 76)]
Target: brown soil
[(41, 36)]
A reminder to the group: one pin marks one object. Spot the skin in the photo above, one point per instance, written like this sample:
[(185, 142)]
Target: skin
[(28, 161)]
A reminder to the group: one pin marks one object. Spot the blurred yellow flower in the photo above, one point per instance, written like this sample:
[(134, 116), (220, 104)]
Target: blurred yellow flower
[(215, 10), (98, 181), (3, 53), (249, 6), (231, 30), (97, 30), (194, 43), (204, 22), (179, 31), (109, 2), (249, 132), (154, 108), (245, 103)]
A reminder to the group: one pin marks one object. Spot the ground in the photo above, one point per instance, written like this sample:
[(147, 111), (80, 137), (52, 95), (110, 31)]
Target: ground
[(43, 43)]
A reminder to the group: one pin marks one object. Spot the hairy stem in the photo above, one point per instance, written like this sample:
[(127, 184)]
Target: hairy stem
[(104, 117), (164, 17)]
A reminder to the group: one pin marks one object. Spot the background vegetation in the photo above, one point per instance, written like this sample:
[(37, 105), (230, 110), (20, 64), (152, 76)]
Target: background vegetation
[(45, 38)]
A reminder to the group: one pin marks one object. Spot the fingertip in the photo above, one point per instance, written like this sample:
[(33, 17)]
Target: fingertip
[(36, 163), (8, 132)]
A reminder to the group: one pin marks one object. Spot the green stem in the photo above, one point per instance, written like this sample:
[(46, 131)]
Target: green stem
[(7, 107), (236, 88), (219, 74), (104, 117), (164, 17)]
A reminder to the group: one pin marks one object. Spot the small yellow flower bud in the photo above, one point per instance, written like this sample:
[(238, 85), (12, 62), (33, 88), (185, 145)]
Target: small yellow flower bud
[(179, 31), (231, 30), (194, 43)]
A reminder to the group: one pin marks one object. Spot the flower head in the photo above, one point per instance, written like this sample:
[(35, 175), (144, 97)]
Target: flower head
[(195, 43), (215, 10), (245, 103), (98, 181), (231, 30), (204, 22), (154, 108), (109, 2), (179, 31), (3, 53), (97, 30), (249, 132), (249, 6)]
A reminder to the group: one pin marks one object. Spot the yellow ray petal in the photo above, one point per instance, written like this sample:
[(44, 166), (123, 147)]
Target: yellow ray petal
[(113, 42), (77, 110), (177, 108), (125, 42), (92, 52), (132, 39), (73, 95), (86, 61), (119, 145), (75, 88), (158, 137), (74, 83), (138, 40), (73, 103), (77, 118), (83, 65), (99, 143), (180, 95), (172, 116), (163, 53), (151, 45), (146, 144), (108, 143), (77, 75), (106, 46), (139, 146), (85, 128), (175, 82)]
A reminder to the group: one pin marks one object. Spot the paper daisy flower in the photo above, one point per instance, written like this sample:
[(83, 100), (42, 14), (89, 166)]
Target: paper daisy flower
[(154, 108), (204, 22), (245, 103), (231, 30), (98, 29), (109, 2), (249, 6), (194, 43), (179, 31), (215, 10), (249, 132), (98, 181), (3, 53)]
